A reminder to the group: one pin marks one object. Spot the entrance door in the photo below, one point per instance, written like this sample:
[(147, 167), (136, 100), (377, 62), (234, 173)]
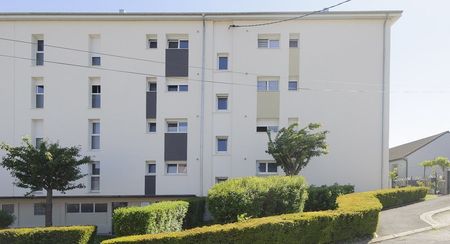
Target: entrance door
[(150, 185)]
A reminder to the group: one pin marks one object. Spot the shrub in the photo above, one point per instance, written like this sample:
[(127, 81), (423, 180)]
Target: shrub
[(196, 210), (49, 235), (6, 219), (156, 218), (355, 217), (256, 197), (324, 197), (391, 198)]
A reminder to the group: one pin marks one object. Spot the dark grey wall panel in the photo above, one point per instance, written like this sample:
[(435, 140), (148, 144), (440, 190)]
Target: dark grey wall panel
[(175, 147), (150, 185), (177, 62), (151, 105)]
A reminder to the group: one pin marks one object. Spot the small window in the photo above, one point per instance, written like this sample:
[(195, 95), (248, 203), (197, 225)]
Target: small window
[(223, 62), (39, 209), (180, 44), (173, 43), (184, 44), (267, 168), (152, 87), (96, 96), (95, 176), (96, 61), (177, 88), (176, 168), (151, 168), (263, 43), (222, 102), (40, 45), (222, 144), (221, 179), (151, 126), (39, 96), (293, 85), (101, 207), (152, 43), (87, 208), (266, 128), (8, 208), (95, 135), (177, 126), (172, 88), (268, 43), (40, 53), (270, 85), (73, 208), (95, 168), (274, 43), (183, 88), (293, 43)]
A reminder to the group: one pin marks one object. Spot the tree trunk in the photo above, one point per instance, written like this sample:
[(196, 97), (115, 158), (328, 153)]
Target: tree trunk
[(49, 208)]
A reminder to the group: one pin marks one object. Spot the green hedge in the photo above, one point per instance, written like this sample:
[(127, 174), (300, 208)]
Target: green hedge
[(155, 218), (395, 197), (6, 219), (49, 235), (355, 217), (195, 213), (324, 197), (256, 197)]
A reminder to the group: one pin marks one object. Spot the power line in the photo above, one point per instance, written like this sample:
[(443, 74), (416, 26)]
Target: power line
[(163, 62), (212, 81), (293, 18)]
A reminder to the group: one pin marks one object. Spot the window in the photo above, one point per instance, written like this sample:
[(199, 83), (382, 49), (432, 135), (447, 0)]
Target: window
[(151, 86), (96, 61), (39, 209), (39, 96), (222, 102), (151, 168), (151, 125), (177, 88), (269, 85), (8, 208), (94, 49), (87, 208), (178, 44), (221, 179), (293, 43), (95, 176), (73, 208), (95, 135), (268, 43), (273, 128), (40, 53), (95, 96), (177, 168), (222, 144), (101, 207), (267, 167), (292, 85), (152, 43), (177, 126), (38, 141), (223, 62)]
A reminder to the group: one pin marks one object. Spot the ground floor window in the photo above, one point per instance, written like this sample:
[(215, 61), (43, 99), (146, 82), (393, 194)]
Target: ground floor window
[(266, 167)]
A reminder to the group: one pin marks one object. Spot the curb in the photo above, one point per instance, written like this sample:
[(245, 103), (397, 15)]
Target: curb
[(426, 217)]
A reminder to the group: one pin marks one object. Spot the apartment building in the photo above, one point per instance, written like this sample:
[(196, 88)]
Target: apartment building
[(169, 104)]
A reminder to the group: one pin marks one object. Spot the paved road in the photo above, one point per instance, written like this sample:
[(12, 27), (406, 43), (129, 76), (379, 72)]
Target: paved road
[(408, 217), (428, 237)]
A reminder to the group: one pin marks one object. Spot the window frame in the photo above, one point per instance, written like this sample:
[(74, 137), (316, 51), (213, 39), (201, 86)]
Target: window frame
[(220, 179), (292, 40), (178, 87), (219, 57), (93, 134), (267, 87), (222, 138), (99, 58), (222, 96), (5, 207), (296, 85), (147, 167), (99, 94), (266, 167), (150, 41), (178, 43), (37, 94), (151, 123), (177, 168), (39, 209), (178, 122), (268, 43), (40, 53), (93, 175)]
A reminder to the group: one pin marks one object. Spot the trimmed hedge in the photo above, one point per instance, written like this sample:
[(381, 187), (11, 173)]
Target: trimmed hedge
[(49, 235), (391, 198), (196, 210), (355, 217), (155, 218), (324, 197), (257, 197), (6, 219)]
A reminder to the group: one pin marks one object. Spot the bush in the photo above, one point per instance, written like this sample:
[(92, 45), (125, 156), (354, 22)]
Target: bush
[(324, 197), (49, 235), (6, 219), (196, 210), (156, 218), (355, 217), (256, 197), (391, 198)]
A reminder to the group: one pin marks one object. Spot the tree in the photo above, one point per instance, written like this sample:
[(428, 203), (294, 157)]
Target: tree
[(48, 166), (293, 149)]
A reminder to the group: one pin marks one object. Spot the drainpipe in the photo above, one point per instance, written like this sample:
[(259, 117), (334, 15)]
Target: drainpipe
[(202, 105), (383, 157)]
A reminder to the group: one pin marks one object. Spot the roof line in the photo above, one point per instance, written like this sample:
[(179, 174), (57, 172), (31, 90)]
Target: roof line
[(417, 149)]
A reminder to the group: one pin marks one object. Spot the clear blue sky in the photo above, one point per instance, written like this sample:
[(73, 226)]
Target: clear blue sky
[(420, 50)]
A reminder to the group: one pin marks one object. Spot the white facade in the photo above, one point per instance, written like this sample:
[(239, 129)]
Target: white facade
[(342, 62)]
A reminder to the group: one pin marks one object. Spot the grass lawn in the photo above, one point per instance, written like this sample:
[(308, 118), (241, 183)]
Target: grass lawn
[(430, 197)]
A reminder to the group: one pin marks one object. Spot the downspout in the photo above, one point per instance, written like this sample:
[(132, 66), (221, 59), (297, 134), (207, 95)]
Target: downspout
[(383, 102), (202, 105)]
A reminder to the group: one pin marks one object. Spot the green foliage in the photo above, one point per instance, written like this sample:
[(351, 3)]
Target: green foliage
[(324, 197), (292, 149), (49, 235), (6, 219), (391, 198), (256, 197), (355, 217), (155, 218), (196, 210), (393, 175)]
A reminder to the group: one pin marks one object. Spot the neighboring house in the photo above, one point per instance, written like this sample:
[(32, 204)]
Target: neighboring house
[(407, 157), (168, 104)]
